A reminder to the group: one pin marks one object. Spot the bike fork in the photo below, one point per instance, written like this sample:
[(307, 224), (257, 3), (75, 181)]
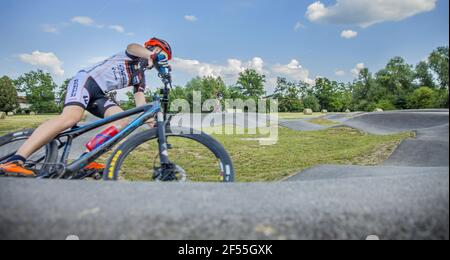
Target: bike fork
[(162, 140)]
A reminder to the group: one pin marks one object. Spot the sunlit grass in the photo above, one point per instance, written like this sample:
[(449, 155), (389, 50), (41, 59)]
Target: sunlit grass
[(323, 122), (19, 122), (295, 151)]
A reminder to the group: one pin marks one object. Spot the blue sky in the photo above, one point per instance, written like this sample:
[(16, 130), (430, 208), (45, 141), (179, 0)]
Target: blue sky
[(297, 39)]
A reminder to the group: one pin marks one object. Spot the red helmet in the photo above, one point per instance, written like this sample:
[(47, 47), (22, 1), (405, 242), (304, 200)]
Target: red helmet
[(160, 43)]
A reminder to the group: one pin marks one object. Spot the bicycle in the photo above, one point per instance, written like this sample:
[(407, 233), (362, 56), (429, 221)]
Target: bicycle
[(48, 164)]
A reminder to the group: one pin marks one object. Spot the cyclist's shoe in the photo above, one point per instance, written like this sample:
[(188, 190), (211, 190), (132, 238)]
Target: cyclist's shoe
[(95, 166), (15, 169), (93, 170)]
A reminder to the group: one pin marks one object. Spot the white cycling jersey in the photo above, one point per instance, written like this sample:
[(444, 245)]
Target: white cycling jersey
[(120, 71), (89, 87)]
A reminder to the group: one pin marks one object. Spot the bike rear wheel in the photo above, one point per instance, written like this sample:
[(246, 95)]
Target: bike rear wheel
[(41, 161), (199, 156)]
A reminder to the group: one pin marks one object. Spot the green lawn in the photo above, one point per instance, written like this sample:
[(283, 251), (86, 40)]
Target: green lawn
[(295, 151), (18, 122), (323, 122), (299, 115)]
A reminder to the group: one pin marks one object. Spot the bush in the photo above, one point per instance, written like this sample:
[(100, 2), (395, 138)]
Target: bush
[(336, 106), (371, 106), (8, 95), (385, 105), (365, 105), (421, 98), (441, 98), (290, 105), (311, 102)]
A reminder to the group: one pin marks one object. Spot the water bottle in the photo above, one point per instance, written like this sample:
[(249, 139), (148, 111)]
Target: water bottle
[(102, 138)]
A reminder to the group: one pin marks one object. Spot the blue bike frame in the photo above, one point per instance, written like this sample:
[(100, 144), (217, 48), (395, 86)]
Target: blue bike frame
[(149, 111)]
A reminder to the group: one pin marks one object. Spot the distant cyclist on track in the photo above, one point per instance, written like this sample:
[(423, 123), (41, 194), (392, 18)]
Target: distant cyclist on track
[(88, 91)]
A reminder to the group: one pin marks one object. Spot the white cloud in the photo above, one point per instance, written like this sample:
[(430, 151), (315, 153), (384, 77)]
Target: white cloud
[(367, 12), (117, 28), (87, 21), (190, 18), (83, 20), (349, 34), (294, 71), (48, 28), (340, 73), (44, 59), (230, 71), (358, 68), (316, 11), (298, 26)]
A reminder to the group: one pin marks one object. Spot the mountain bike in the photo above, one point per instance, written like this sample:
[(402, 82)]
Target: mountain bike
[(163, 153)]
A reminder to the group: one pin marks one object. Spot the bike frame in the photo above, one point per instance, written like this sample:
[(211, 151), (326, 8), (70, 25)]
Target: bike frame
[(149, 111)]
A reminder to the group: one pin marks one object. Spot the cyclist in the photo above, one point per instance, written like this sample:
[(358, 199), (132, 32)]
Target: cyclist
[(88, 91)]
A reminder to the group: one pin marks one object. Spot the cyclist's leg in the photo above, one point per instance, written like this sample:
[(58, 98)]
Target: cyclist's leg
[(113, 110), (103, 107), (50, 129), (77, 99)]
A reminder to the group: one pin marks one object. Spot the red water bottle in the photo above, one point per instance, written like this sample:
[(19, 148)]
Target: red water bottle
[(102, 138)]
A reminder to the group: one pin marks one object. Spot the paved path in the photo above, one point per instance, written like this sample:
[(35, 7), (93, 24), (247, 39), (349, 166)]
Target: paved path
[(407, 198)]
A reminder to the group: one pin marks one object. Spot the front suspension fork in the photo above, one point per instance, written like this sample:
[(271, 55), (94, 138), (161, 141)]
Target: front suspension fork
[(162, 140)]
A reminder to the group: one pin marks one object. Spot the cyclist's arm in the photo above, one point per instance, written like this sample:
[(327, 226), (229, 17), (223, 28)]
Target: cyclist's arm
[(138, 50), (139, 98)]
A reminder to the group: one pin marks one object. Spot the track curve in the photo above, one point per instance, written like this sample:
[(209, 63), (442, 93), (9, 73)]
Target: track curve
[(398, 200)]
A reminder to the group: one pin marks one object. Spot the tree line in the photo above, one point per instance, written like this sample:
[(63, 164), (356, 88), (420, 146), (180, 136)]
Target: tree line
[(398, 85)]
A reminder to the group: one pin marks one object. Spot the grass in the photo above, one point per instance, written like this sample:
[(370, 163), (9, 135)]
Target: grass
[(288, 116), (323, 122), (294, 152), (18, 122)]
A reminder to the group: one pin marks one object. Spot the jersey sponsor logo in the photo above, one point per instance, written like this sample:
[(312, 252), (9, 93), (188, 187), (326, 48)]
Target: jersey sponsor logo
[(74, 88), (86, 99), (120, 75)]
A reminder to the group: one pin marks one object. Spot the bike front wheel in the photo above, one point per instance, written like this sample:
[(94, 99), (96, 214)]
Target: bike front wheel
[(195, 157)]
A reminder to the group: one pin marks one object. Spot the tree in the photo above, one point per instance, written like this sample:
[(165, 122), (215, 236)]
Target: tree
[(385, 105), (423, 75), (442, 98), (288, 95), (251, 83), (130, 103), (311, 102), (8, 95), (209, 87), (61, 93), (438, 60), (39, 89), (364, 89), (396, 81), (423, 97), (324, 91)]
